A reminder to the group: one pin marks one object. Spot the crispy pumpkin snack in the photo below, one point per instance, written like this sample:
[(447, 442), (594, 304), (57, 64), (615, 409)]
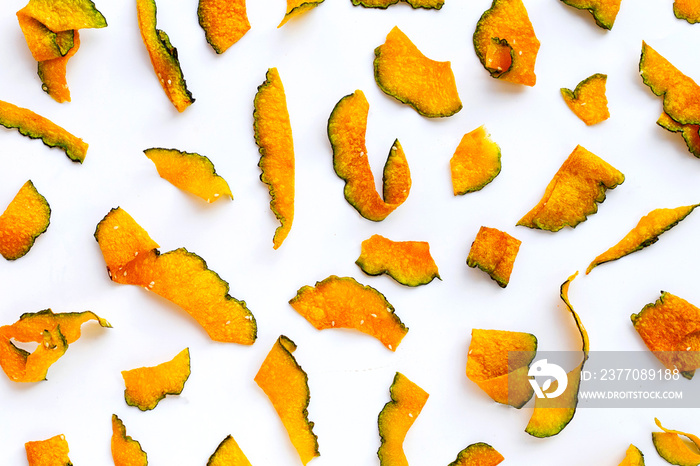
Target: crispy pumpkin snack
[(588, 100), (26, 217), (673, 449), (505, 42), (633, 457), (688, 10), (50, 452), (286, 385), (190, 172), (163, 56), (574, 192), (690, 133), (646, 233), (403, 72), (36, 126), (475, 163), (64, 15), (478, 454), (53, 73), (228, 453), (43, 43), (604, 11), (342, 302), (397, 416), (670, 328), (146, 386), (179, 276), (498, 361), (224, 22), (273, 135), (125, 450), (494, 252), (384, 4), (297, 7), (407, 262), (347, 127)]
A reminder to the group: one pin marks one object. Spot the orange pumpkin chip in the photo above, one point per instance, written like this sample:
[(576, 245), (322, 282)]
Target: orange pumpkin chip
[(146, 386), (53, 73), (64, 15), (429, 4), (50, 452), (475, 163), (688, 10), (298, 7), (633, 457), (26, 217), (588, 101), (671, 447), (228, 453), (690, 133), (407, 262), (224, 22), (125, 450), (43, 43), (494, 252), (478, 454), (604, 11)]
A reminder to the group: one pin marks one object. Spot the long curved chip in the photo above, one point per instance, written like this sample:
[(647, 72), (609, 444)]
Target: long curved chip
[(671, 447), (286, 385), (475, 163), (224, 22), (342, 302), (403, 72), (574, 192), (494, 252), (25, 218), (273, 135), (125, 450), (146, 386), (646, 233), (604, 11), (407, 262), (688, 10), (384, 4), (478, 454), (298, 7), (50, 452), (63, 15), (588, 100), (633, 457), (347, 127), (690, 133), (53, 73), (228, 453)]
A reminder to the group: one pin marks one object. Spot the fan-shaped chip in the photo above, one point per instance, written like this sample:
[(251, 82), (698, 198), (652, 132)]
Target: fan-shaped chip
[(430, 4), (588, 100), (228, 453), (671, 447), (633, 457), (475, 163), (224, 22), (690, 133), (125, 450), (494, 252), (688, 10), (50, 452), (478, 454), (407, 262), (53, 73), (298, 7), (604, 11), (25, 218), (146, 386)]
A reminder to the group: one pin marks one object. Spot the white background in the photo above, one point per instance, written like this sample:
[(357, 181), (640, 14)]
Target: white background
[(119, 108)]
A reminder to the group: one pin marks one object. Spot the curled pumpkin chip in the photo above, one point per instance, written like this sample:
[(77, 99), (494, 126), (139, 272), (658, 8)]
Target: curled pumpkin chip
[(588, 101), (498, 361), (63, 15), (146, 386), (407, 262), (505, 42), (688, 10), (690, 132), (574, 192), (347, 127), (478, 454), (646, 233), (224, 22), (25, 218), (297, 7), (475, 163), (125, 450), (430, 4), (604, 11), (179, 276), (163, 56), (286, 385), (43, 43), (494, 252), (671, 447), (397, 417), (403, 72), (190, 172), (228, 453), (50, 452), (342, 302), (273, 135), (53, 73), (633, 457)]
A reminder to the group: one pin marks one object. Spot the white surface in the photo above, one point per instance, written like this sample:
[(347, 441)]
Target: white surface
[(119, 108)]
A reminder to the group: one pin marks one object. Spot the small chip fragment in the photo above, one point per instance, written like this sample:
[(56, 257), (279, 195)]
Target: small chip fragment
[(190, 172), (224, 22), (604, 11), (53, 73), (273, 135), (478, 454), (403, 72), (475, 163), (574, 192), (125, 450), (286, 385), (505, 42), (297, 7), (228, 453), (671, 447), (688, 10), (384, 4), (342, 302), (146, 386), (50, 452), (588, 100), (397, 417), (347, 127), (494, 251), (633, 457), (690, 132), (407, 262), (646, 233), (25, 218)]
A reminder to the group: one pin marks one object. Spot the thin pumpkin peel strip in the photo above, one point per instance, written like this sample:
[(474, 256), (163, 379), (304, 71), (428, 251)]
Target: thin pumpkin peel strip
[(407, 262), (671, 447), (690, 133), (125, 450), (588, 100), (50, 452), (146, 386), (224, 22), (478, 454), (25, 218)]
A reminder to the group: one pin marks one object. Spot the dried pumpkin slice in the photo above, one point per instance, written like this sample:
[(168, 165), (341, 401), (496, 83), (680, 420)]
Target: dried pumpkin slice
[(43, 43), (228, 453), (671, 447), (690, 133), (224, 22), (273, 135), (505, 42), (36, 126), (646, 233), (383, 4), (178, 276), (146, 386), (25, 218), (494, 252), (190, 172), (125, 450), (403, 72), (342, 302), (498, 361), (50, 452), (478, 454), (588, 100), (286, 385), (397, 417), (475, 163), (31, 324), (574, 192), (63, 15), (298, 7), (163, 56), (604, 11), (347, 127), (407, 262), (633, 457), (688, 10), (53, 73)]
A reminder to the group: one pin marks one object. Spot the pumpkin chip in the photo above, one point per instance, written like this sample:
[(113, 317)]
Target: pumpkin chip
[(347, 127), (397, 417), (633, 457), (690, 133), (228, 453), (146, 386), (646, 233), (342, 302), (588, 100), (478, 454), (64, 15), (125, 450), (179, 276), (494, 252), (505, 42), (498, 361), (50, 452), (43, 43), (688, 10), (286, 385), (273, 135), (604, 11), (671, 447), (25, 218), (298, 7), (384, 4), (224, 22), (403, 72), (53, 73), (407, 262), (475, 163), (574, 192)]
